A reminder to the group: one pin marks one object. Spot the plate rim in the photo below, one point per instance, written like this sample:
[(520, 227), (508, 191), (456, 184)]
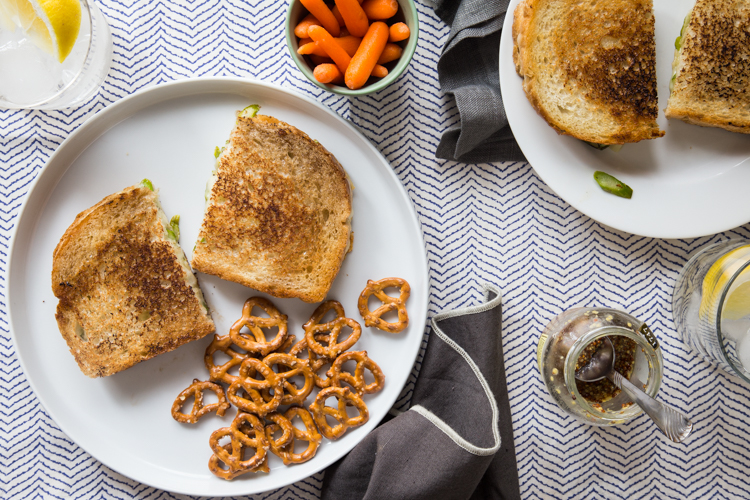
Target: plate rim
[(220, 85), (685, 232)]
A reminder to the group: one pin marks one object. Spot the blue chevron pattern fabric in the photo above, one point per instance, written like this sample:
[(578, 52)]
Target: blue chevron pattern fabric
[(496, 223)]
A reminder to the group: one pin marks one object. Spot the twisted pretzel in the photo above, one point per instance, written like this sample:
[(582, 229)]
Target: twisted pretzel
[(336, 375), (257, 343), (280, 423), (309, 434), (313, 335), (196, 389), (345, 398), (292, 394), (373, 318), (322, 310), (315, 362), (246, 431), (252, 387), (221, 373)]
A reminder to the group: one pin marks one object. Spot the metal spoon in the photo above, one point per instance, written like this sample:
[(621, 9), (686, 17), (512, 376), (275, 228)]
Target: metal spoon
[(602, 364)]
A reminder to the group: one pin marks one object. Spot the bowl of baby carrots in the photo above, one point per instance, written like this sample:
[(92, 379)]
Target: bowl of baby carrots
[(352, 47)]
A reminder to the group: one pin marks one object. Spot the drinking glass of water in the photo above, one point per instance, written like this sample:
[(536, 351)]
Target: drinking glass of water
[(53, 53), (711, 305)]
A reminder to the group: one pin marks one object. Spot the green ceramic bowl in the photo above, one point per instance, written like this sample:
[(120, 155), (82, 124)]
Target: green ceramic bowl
[(407, 13)]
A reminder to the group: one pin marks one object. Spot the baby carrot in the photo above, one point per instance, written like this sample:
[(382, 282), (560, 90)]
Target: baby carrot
[(311, 48), (337, 14), (354, 17), (348, 43), (399, 31), (379, 71), (322, 13), (328, 73), (301, 29), (329, 45), (391, 52), (379, 9), (367, 55)]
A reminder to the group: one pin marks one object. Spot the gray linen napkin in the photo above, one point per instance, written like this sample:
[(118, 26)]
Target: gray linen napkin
[(456, 440), (469, 69)]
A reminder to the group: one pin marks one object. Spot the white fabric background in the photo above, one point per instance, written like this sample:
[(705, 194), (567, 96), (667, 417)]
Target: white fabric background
[(489, 222)]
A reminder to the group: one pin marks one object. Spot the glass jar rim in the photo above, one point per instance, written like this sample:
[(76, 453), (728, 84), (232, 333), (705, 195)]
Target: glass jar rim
[(655, 370)]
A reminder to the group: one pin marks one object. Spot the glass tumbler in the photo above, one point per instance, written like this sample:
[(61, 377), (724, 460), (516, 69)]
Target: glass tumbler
[(711, 305), (32, 78)]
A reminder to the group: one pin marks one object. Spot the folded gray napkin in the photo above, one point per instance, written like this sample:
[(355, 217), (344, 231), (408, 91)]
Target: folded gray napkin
[(456, 439), (469, 69)]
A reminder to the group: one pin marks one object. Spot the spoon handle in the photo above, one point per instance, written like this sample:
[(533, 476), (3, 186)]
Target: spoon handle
[(671, 422)]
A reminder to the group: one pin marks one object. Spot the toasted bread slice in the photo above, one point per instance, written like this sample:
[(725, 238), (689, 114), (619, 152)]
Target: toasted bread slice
[(126, 292), (278, 217), (711, 72), (589, 68)]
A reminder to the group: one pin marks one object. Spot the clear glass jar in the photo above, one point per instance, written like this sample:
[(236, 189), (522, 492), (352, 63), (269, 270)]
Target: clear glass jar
[(564, 340)]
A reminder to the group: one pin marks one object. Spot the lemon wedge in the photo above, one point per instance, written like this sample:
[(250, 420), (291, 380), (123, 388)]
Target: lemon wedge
[(737, 304), (52, 25), (717, 276)]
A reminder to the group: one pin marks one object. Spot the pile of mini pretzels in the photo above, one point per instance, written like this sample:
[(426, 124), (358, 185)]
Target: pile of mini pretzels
[(269, 381)]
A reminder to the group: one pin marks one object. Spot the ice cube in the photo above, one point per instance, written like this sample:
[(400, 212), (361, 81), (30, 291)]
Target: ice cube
[(735, 329)]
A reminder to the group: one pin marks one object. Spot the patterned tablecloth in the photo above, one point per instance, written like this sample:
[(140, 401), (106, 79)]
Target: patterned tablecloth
[(489, 222)]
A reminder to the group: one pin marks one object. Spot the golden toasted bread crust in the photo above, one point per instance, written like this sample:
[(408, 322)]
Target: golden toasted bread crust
[(712, 85), (279, 215), (123, 296), (589, 68)]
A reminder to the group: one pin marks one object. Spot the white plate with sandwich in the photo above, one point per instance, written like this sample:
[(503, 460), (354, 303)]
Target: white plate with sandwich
[(689, 183), (170, 135)]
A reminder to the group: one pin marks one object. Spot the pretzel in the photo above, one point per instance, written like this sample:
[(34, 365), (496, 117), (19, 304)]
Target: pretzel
[(288, 343), (322, 310), (196, 389), (336, 375), (315, 362), (232, 454), (280, 423), (252, 387), (313, 336), (292, 394), (221, 373), (257, 342), (215, 466), (310, 434), (345, 398), (373, 318)]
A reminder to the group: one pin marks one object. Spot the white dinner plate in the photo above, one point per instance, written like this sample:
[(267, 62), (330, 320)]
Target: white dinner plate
[(168, 134), (689, 183)]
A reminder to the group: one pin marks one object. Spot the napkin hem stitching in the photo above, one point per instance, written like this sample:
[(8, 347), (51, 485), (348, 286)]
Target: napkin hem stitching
[(456, 437), (437, 421)]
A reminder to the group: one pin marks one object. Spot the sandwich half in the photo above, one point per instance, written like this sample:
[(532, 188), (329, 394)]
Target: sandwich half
[(710, 84), (126, 291), (589, 67), (278, 213)]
